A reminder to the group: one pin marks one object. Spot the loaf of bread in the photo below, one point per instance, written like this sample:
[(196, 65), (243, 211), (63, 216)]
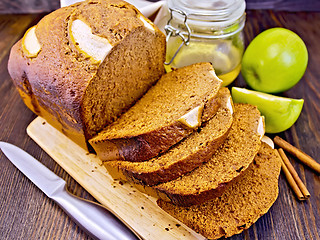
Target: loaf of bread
[(183, 157), (83, 65), (171, 110), (243, 202)]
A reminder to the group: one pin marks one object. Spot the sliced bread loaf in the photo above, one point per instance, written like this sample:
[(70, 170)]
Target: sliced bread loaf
[(167, 113), (242, 203), (183, 157), (83, 65), (229, 161)]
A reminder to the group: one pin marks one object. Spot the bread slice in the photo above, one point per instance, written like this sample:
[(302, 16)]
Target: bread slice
[(229, 161), (243, 202), (183, 157), (83, 65), (167, 113)]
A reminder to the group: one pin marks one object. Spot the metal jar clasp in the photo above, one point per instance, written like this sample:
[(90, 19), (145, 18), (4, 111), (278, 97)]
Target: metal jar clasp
[(173, 32)]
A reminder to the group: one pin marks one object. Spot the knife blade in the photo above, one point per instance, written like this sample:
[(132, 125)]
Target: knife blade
[(95, 219)]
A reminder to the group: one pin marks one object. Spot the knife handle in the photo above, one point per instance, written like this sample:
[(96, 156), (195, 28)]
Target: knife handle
[(93, 218)]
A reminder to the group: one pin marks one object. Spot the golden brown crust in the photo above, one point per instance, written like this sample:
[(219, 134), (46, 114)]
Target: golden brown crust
[(242, 203), (143, 147)]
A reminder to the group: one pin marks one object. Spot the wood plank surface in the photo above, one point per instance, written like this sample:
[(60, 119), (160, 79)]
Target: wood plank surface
[(26, 213), (28, 6)]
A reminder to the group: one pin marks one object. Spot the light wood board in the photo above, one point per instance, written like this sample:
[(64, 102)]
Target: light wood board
[(136, 209)]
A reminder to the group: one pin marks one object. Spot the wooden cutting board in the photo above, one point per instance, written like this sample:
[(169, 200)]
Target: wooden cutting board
[(136, 209)]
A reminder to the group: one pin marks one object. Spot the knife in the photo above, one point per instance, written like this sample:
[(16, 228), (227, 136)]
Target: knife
[(96, 220)]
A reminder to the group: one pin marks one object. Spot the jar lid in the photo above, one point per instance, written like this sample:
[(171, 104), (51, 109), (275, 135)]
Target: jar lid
[(217, 13)]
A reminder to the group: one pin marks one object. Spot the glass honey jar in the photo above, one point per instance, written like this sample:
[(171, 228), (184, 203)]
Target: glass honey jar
[(205, 31)]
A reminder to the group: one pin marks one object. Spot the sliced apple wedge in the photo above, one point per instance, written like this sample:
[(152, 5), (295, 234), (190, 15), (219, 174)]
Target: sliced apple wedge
[(192, 119), (147, 23), (268, 141), (89, 44), (30, 43), (280, 113)]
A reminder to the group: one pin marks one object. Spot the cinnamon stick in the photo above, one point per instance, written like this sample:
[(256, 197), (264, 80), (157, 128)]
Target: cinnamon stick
[(294, 174), (291, 182), (303, 157)]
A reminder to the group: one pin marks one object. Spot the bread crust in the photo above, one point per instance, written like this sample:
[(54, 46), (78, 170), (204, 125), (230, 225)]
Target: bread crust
[(143, 147)]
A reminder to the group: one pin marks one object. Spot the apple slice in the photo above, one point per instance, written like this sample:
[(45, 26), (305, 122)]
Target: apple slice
[(268, 141), (280, 113), (147, 23), (192, 119), (91, 45), (30, 43)]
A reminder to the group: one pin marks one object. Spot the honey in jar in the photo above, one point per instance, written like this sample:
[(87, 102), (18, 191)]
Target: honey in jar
[(205, 31)]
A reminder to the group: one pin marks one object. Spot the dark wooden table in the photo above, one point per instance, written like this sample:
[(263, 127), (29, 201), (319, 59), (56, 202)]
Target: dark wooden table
[(26, 213)]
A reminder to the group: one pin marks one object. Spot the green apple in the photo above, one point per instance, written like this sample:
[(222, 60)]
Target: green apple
[(274, 61), (280, 113)]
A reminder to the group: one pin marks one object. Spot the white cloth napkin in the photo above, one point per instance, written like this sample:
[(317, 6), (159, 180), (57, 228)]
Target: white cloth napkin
[(145, 7)]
